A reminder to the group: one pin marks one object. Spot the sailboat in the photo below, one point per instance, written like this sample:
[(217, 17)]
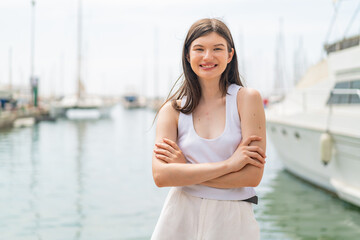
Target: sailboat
[(81, 105)]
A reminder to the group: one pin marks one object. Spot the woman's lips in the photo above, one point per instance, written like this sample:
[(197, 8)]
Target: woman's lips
[(208, 66)]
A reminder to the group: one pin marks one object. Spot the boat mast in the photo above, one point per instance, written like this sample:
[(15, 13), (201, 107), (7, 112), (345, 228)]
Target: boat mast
[(33, 82), (299, 62), (10, 69), (336, 9), (144, 77), (241, 54), (156, 64), (352, 20), (79, 59), (279, 77)]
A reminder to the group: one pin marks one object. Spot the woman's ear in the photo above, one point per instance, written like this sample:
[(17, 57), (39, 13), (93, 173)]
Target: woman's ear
[(188, 58), (231, 54)]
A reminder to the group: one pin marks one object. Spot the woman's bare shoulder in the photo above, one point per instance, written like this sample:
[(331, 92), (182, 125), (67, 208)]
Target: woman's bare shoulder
[(168, 112), (249, 101), (167, 122), (248, 94)]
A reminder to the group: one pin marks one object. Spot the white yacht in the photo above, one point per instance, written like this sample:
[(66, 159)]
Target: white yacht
[(316, 128), (85, 107)]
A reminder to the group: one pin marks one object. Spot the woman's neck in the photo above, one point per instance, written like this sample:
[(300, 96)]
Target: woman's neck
[(210, 90)]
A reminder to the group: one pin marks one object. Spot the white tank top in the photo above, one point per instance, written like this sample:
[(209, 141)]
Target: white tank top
[(200, 150)]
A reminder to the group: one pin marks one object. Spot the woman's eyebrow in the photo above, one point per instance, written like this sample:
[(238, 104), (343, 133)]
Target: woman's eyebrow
[(215, 45)]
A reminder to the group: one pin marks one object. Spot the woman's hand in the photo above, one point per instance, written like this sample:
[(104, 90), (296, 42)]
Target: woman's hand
[(169, 152), (245, 154)]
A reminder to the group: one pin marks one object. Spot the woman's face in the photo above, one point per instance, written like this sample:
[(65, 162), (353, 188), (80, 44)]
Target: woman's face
[(209, 56)]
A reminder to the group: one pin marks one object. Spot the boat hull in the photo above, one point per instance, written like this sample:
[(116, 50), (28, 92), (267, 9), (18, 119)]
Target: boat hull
[(300, 150), (81, 112)]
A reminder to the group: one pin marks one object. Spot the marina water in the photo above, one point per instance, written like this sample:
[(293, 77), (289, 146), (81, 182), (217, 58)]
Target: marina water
[(92, 180)]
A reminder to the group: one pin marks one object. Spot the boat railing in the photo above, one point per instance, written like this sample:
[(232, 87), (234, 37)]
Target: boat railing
[(310, 100), (342, 44)]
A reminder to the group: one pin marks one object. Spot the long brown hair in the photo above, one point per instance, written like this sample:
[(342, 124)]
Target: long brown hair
[(190, 87)]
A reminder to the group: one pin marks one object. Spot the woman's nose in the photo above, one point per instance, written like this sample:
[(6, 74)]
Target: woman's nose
[(208, 54)]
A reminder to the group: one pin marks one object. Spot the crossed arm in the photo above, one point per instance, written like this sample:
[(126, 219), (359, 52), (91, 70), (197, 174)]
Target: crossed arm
[(252, 118), (238, 171)]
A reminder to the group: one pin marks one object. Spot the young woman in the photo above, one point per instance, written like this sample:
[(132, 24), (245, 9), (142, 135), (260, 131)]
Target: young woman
[(210, 144)]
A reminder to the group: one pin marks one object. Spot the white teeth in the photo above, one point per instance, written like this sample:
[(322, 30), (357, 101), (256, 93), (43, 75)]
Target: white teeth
[(208, 66)]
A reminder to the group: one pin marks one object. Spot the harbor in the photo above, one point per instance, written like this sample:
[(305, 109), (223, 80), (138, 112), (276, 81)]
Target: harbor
[(81, 85), (92, 180)]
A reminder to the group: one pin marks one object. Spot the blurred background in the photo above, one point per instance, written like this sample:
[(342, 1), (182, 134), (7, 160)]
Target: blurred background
[(81, 81)]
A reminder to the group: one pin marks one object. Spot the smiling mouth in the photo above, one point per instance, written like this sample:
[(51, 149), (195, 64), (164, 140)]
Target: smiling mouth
[(208, 66)]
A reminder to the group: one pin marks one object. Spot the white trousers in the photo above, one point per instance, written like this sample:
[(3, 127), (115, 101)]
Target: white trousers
[(185, 217)]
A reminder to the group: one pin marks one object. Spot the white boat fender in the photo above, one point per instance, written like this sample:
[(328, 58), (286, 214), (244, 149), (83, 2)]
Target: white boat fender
[(326, 144)]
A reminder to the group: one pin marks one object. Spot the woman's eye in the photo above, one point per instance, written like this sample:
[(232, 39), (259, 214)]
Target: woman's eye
[(218, 49), (199, 49)]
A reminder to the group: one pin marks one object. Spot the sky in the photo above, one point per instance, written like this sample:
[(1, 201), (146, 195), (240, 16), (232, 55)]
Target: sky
[(135, 45)]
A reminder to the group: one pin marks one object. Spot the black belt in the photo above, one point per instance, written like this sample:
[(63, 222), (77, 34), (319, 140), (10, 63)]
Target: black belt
[(253, 199)]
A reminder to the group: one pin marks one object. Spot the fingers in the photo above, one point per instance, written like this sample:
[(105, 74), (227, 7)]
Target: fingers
[(163, 152), (256, 149), (163, 158), (255, 155), (255, 163), (169, 152), (248, 140), (165, 146), (171, 143)]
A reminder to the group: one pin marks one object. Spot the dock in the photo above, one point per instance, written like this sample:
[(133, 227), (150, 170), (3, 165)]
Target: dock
[(8, 117)]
